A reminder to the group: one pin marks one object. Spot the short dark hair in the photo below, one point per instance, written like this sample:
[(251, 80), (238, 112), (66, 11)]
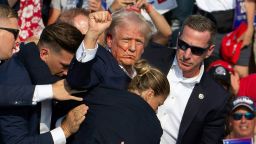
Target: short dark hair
[(61, 36), (200, 23)]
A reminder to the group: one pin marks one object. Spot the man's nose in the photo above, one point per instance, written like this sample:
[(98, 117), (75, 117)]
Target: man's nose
[(132, 46), (187, 53), (243, 120)]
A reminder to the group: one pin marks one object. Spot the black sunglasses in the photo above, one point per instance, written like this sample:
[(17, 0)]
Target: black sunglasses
[(238, 116), (194, 49), (15, 32)]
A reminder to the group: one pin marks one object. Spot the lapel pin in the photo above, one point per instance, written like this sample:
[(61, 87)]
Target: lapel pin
[(201, 96)]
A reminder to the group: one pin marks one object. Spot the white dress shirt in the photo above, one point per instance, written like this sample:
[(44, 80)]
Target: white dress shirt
[(171, 112), (216, 5), (44, 94)]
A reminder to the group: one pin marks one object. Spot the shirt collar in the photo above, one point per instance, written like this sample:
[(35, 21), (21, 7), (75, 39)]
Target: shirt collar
[(179, 76), (132, 75)]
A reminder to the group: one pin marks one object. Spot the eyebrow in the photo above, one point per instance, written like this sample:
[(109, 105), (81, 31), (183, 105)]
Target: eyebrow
[(65, 65)]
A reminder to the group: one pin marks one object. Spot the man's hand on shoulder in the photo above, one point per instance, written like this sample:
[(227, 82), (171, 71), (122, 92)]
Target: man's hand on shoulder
[(61, 92)]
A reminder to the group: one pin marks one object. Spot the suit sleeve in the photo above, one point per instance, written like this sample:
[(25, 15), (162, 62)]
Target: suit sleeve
[(81, 75), (214, 127), (16, 95), (15, 86), (19, 125), (84, 75), (15, 128)]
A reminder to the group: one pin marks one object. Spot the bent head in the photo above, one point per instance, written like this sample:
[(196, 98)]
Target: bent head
[(150, 84), (57, 45)]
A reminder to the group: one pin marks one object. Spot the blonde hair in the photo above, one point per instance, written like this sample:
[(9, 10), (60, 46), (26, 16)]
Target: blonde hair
[(149, 77)]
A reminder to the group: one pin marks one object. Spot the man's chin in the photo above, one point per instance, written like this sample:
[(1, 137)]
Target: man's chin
[(128, 62), (60, 75)]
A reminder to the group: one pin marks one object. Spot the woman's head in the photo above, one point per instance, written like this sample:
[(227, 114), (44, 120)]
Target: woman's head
[(150, 84)]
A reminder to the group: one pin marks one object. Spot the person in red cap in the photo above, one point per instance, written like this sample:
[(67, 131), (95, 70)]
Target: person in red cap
[(222, 72), (239, 42), (225, 75)]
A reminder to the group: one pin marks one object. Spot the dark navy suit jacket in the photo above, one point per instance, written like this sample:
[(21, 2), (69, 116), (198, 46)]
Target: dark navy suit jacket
[(203, 119), (13, 94), (114, 114), (117, 116), (16, 95), (22, 125), (102, 70)]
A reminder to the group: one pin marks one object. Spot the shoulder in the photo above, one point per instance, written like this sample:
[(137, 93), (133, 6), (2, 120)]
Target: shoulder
[(214, 91)]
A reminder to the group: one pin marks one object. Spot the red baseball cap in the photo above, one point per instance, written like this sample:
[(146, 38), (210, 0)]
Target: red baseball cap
[(248, 87), (222, 63), (230, 48), (220, 71)]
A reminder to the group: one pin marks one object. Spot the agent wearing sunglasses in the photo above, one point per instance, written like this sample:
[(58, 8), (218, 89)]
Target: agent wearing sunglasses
[(8, 33), (194, 111), (242, 118)]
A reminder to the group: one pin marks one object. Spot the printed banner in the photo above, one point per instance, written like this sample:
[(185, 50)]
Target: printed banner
[(240, 14), (238, 141)]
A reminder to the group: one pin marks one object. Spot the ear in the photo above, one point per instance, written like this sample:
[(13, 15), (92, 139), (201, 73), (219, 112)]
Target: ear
[(210, 51), (44, 53), (148, 94), (109, 40)]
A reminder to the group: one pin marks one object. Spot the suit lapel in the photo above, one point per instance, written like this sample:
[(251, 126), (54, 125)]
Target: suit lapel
[(192, 107)]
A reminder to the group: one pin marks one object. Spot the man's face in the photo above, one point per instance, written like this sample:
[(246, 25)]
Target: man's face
[(243, 127), (192, 49), (127, 45), (58, 62), (7, 38)]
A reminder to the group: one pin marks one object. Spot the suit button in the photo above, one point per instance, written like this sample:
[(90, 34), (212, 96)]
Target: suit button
[(16, 102)]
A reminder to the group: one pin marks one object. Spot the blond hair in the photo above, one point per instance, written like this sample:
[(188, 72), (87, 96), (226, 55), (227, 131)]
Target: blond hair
[(149, 77)]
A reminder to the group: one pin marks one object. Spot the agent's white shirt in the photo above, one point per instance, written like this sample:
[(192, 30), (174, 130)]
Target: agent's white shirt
[(171, 112)]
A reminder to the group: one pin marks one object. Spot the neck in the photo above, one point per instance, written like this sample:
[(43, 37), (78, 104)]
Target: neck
[(190, 74)]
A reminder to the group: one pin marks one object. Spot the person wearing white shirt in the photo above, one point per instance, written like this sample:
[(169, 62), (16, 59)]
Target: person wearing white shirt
[(20, 95), (195, 109), (22, 124), (225, 14)]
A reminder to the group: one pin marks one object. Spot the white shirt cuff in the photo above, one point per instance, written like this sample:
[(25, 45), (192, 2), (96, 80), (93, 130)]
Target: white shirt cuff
[(41, 93), (84, 55), (58, 136)]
